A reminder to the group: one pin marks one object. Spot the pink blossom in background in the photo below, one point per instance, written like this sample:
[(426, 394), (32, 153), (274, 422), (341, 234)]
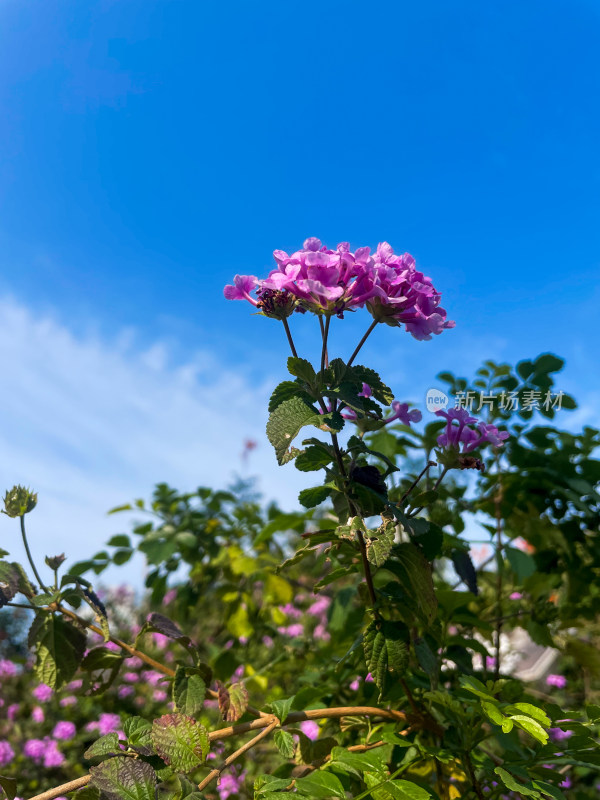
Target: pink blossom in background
[(12, 711), (170, 596), (131, 677), (69, 700), (124, 691), (152, 677), (369, 678), (7, 668), (297, 629), (37, 714), (135, 663), (6, 753), (74, 685), (35, 749), (515, 596), (291, 611), (355, 685), (52, 756), (267, 641), (558, 735), (160, 640), (243, 640), (310, 729), (230, 784), (320, 606), (112, 646), (64, 730), (108, 723), (321, 633), (238, 673), (556, 680), (159, 695), (490, 662), (42, 693)]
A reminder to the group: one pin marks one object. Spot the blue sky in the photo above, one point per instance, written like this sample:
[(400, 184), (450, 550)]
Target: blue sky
[(150, 150)]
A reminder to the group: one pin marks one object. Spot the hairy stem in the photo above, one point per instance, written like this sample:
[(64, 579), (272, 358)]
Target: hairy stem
[(324, 336), (362, 341), (29, 556)]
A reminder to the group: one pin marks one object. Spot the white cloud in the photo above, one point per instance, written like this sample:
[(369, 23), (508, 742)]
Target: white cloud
[(91, 423)]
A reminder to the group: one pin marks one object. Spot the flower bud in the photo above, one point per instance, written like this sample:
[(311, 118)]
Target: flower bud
[(19, 501), (54, 562)]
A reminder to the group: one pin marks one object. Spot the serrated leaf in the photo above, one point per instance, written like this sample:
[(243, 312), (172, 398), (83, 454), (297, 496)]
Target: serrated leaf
[(233, 701), (123, 778), (380, 543), (104, 746), (159, 623), (313, 458), (285, 423), (386, 651), (301, 368), (9, 582), (180, 741), (310, 498), (281, 708), (284, 742), (139, 735), (426, 657), (412, 568), (188, 691), (102, 666), (362, 374), (285, 391), (59, 647)]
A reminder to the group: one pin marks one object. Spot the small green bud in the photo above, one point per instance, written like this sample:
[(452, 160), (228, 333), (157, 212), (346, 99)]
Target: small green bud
[(54, 562), (19, 501)]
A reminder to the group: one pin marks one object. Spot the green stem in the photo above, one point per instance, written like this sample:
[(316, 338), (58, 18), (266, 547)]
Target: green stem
[(416, 481), (289, 337), (325, 336), (29, 556), (362, 341), (500, 568), (436, 485)]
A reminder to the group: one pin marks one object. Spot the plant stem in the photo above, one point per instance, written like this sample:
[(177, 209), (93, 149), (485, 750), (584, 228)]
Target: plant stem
[(436, 485), (416, 481), (325, 336), (289, 337), (362, 341), (214, 773), (471, 770), (500, 568), (28, 551)]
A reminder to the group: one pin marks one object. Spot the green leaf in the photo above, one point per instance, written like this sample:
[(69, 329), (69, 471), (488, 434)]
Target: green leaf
[(303, 369), (139, 735), (233, 701), (413, 570), (118, 509), (386, 651), (313, 458), (476, 687), (9, 785), (522, 564), (531, 726), (188, 691), (104, 746), (284, 424), (310, 498), (548, 362), (380, 543), (321, 784), (285, 391), (123, 778), (59, 647), (119, 540), (531, 710), (515, 786), (158, 623), (492, 712), (180, 741), (281, 708), (380, 391), (284, 742), (425, 656)]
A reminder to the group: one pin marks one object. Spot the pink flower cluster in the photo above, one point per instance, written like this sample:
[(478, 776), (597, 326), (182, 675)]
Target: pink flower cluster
[(459, 433), (44, 751), (400, 411), (329, 282)]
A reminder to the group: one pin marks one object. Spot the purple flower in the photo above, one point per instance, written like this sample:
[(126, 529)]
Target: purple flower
[(6, 753), (170, 596), (458, 431), (12, 711), (159, 695), (355, 685), (152, 677), (131, 677), (515, 596), (108, 723), (321, 634), (64, 730), (52, 756), (267, 641), (42, 693), (310, 729), (37, 714), (7, 668), (402, 413), (297, 629), (69, 700), (230, 784), (124, 691), (320, 606), (291, 611), (35, 749), (242, 286), (566, 784), (558, 735), (369, 678), (556, 680), (112, 646)]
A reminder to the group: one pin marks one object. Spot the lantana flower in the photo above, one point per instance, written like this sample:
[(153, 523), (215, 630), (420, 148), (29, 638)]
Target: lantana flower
[(465, 433)]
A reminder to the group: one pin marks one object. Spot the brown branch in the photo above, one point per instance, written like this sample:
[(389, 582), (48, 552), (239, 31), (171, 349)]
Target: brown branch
[(256, 724), (215, 773)]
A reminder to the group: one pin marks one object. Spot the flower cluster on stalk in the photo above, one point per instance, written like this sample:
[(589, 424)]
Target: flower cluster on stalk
[(330, 282)]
